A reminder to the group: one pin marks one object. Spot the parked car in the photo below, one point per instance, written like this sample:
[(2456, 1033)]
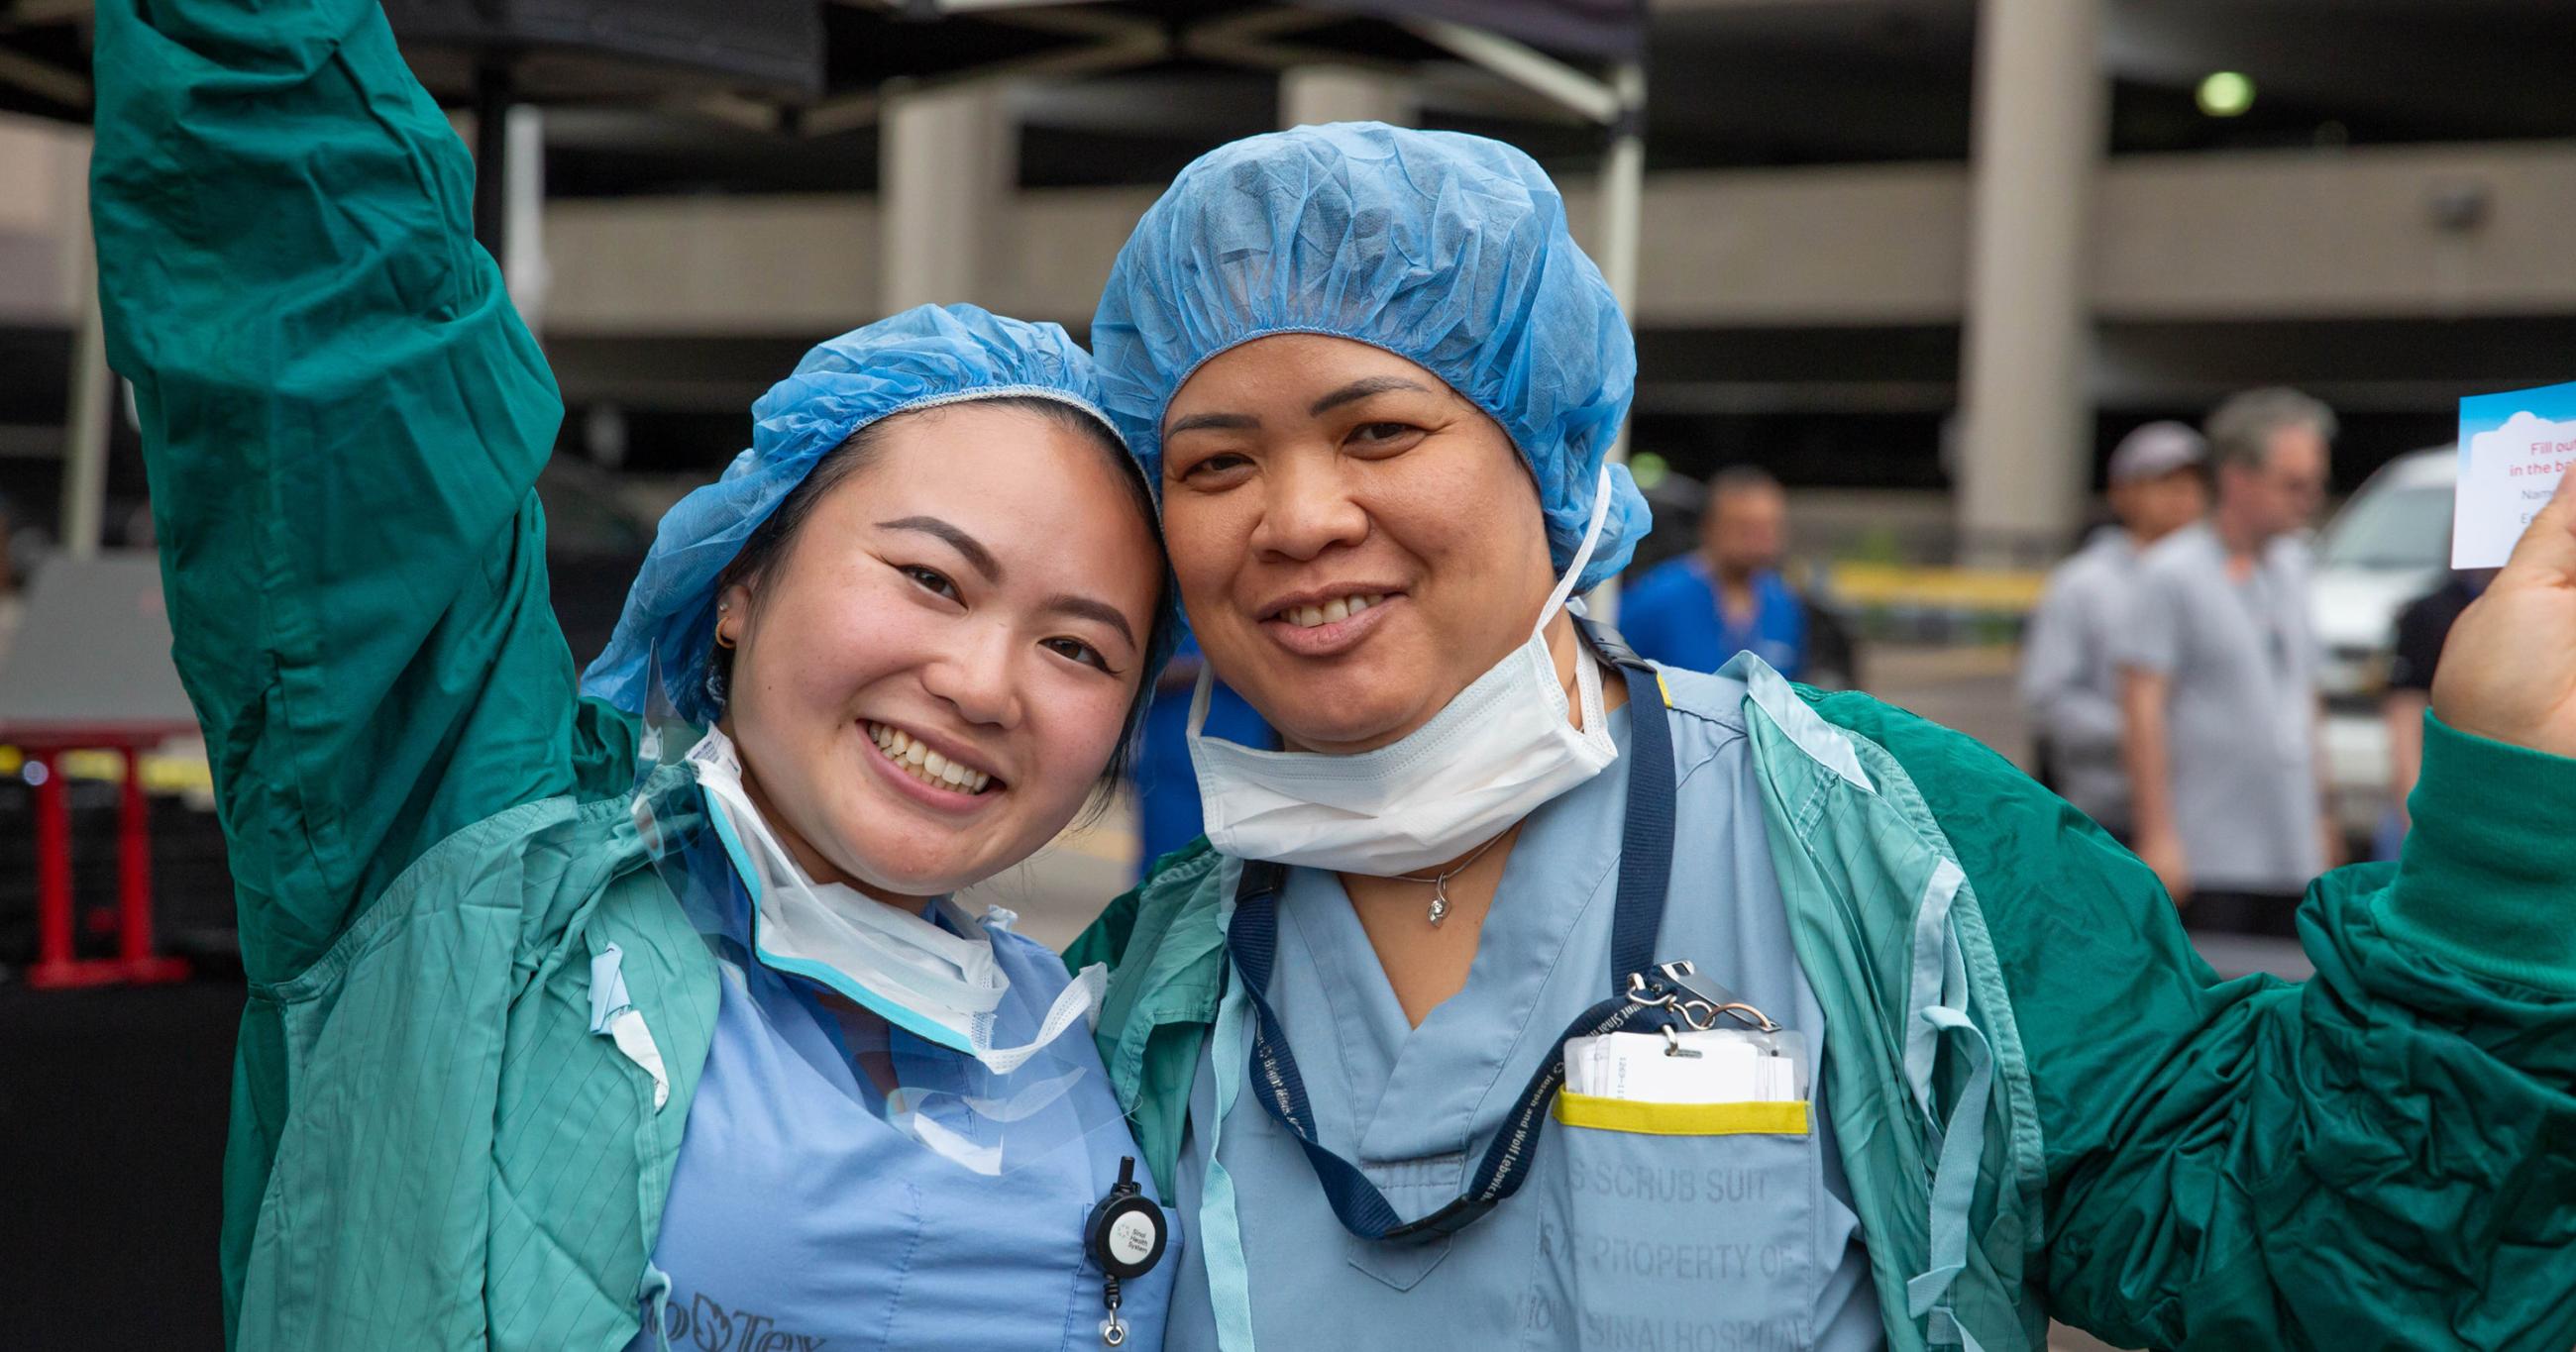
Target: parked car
[(2389, 544)]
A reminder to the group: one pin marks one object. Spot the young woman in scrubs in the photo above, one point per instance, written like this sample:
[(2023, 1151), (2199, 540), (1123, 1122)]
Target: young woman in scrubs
[(1379, 383), (642, 1019)]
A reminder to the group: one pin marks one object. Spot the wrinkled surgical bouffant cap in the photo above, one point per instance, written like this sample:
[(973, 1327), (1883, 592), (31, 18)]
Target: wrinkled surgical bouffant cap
[(1448, 250), (929, 355)]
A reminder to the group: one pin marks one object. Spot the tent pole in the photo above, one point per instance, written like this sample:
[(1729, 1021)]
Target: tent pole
[(523, 213), (86, 428), (1523, 65), (1623, 190), (1623, 186), (492, 155)]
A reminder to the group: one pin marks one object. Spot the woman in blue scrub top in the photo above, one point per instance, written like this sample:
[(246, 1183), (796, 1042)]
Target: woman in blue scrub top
[(1875, 1043), (643, 1019)]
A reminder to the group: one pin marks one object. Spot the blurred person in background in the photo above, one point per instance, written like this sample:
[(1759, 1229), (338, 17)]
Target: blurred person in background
[(2069, 686), (2218, 679), (2422, 628), (1700, 609)]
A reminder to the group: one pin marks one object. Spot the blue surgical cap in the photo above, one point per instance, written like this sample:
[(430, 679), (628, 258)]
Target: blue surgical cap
[(928, 355), (1450, 251)]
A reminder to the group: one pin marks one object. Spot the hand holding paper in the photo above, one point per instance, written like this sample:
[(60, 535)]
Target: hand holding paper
[(2509, 669)]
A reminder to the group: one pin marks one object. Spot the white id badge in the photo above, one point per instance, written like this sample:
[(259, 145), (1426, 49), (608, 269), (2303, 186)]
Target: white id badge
[(1719, 1065)]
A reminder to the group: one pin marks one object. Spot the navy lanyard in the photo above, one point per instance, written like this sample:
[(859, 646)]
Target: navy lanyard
[(1639, 998)]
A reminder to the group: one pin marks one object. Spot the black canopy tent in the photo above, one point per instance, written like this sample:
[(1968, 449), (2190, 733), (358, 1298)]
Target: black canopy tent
[(800, 68), (815, 66), (793, 52)]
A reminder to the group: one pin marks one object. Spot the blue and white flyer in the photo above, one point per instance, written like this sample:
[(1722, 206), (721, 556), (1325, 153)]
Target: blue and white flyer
[(2513, 449)]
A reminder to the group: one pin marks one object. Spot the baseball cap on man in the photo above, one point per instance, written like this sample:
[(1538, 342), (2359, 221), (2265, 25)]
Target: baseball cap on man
[(2156, 450)]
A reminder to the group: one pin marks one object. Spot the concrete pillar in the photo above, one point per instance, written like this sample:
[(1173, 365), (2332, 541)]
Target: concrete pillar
[(2041, 102), (948, 167), (1313, 95)]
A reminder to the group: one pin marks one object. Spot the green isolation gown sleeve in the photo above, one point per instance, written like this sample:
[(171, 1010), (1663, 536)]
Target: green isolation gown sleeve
[(2383, 1156), (342, 422)]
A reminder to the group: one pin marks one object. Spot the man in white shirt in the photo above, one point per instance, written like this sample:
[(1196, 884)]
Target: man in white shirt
[(2069, 685)]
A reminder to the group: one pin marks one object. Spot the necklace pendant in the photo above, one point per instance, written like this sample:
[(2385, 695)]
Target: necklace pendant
[(1439, 902)]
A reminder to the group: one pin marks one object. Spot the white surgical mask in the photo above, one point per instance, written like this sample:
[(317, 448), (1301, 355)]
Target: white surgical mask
[(1494, 753), (940, 986)]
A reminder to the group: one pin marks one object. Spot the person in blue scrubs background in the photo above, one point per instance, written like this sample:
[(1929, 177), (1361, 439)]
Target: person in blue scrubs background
[(1700, 609)]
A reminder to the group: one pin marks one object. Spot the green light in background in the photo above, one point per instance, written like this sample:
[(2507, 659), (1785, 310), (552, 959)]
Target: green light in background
[(2226, 93), (1649, 470)]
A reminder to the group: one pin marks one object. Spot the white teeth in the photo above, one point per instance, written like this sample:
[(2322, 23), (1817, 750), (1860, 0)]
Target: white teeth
[(927, 765), (1331, 612)]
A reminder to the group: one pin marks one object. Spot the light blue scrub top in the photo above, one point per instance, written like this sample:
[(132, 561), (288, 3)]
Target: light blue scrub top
[(1743, 1243), (801, 1220)]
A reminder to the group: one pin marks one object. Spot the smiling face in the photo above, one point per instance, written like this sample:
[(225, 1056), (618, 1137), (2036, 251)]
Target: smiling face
[(1355, 542), (932, 676)]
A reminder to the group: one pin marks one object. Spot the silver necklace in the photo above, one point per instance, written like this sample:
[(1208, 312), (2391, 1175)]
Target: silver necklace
[(1440, 881)]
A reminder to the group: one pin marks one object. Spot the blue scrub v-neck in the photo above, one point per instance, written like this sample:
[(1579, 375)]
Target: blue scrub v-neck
[(1479, 1041), (800, 1216)]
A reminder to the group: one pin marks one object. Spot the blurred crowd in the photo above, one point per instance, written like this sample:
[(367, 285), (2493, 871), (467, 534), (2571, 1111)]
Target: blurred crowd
[(2172, 670)]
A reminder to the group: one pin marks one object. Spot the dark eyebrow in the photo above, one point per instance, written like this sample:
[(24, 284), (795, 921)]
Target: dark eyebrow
[(1219, 422), (1083, 607), (965, 544), (1245, 422), (1361, 389)]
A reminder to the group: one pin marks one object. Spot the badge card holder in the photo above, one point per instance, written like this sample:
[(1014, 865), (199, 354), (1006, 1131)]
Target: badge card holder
[(1716, 1049), (1126, 1238)]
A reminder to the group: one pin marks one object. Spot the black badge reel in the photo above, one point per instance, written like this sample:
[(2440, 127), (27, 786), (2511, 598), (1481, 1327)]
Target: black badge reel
[(1126, 1237)]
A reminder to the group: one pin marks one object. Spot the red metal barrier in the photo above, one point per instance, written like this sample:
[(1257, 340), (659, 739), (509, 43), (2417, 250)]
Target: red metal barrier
[(135, 963)]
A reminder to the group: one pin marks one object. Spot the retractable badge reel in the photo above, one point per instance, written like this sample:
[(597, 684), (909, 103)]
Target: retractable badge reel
[(1126, 1238)]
